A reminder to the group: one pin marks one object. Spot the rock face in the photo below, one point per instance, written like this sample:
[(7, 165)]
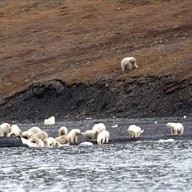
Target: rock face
[(149, 97), (62, 58)]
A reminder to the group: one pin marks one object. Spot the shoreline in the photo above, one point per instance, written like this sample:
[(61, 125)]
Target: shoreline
[(154, 129)]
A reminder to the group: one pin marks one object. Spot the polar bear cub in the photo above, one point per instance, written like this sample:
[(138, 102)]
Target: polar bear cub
[(176, 128), (15, 131), (134, 131), (103, 137), (128, 63), (73, 135), (5, 129)]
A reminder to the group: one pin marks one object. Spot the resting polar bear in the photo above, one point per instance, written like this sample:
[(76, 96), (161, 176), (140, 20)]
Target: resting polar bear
[(51, 142), (103, 137), (62, 140), (176, 128), (134, 131), (49, 121), (73, 135), (5, 129), (128, 62)]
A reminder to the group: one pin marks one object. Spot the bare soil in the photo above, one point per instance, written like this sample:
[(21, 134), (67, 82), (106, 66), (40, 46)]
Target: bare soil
[(63, 58)]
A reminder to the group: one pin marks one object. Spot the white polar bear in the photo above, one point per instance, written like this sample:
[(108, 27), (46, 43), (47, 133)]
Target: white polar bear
[(35, 130), (42, 135), (176, 128), (128, 62), (63, 139), (99, 127), (51, 142), (90, 135), (49, 121), (134, 131), (27, 134), (63, 131), (5, 129), (103, 137), (15, 131), (73, 135), (35, 139)]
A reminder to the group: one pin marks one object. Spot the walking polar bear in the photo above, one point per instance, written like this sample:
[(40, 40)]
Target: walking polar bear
[(128, 63), (176, 128), (73, 135), (134, 131)]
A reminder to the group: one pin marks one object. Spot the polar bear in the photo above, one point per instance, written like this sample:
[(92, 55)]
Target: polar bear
[(35, 130), (103, 137), (73, 135), (99, 127), (5, 129), (15, 131), (27, 134), (35, 139), (63, 131), (51, 142), (128, 63), (90, 135), (63, 139), (176, 128), (42, 135), (134, 131), (49, 121)]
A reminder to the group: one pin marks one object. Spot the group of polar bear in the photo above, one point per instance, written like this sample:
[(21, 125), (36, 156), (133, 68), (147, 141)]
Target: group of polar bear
[(36, 137)]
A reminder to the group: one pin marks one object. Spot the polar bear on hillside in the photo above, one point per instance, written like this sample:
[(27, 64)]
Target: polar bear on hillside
[(15, 131), (5, 129), (134, 131), (128, 63), (176, 128), (103, 137), (73, 135)]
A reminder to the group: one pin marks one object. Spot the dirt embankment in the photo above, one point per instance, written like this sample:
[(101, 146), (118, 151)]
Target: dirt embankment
[(63, 58)]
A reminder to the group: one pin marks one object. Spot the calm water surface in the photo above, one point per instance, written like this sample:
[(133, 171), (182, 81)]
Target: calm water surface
[(137, 166)]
